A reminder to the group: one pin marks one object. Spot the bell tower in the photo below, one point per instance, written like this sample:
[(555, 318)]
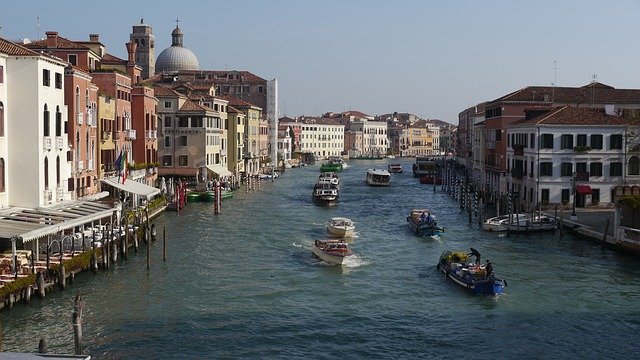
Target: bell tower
[(145, 51)]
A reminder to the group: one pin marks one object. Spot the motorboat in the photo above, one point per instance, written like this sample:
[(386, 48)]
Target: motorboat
[(341, 227), (471, 275), (395, 168), (325, 193), (378, 177), (537, 223), (329, 178), (331, 166), (501, 223), (333, 251), (338, 160), (425, 166), (424, 224)]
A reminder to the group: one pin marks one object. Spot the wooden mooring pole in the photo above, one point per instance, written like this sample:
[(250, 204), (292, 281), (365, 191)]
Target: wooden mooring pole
[(164, 243), (77, 325), (604, 237), (148, 250)]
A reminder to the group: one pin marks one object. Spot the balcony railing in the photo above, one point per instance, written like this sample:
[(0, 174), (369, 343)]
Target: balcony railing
[(152, 134), (47, 143), (130, 134), (90, 164), (59, 142), (59, 194), (79, 165), (79, 118)]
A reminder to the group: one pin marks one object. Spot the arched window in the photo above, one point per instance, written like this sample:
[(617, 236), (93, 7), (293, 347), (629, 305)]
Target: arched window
[(58, 171), (46, 120), (58, 121), (46, 173), (77, 145), (86, 143), (77, 100), (634, 166), (1, 119), (2, 187)]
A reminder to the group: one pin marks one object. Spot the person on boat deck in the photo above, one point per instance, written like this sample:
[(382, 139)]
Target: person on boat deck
[(429, 218), (475, 253), (423, 216), (489, 268)]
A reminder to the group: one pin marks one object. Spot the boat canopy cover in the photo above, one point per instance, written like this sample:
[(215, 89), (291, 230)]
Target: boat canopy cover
[(132, 187)]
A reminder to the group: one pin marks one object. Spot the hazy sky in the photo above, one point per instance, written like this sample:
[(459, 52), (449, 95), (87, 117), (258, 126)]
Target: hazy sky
[(429, 58)]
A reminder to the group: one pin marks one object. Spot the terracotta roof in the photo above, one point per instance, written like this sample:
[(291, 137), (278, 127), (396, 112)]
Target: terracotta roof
[(596, 93), (164, 91), (220, 76), (10, 48), (233, 101), (569, 115), (231, 109), (419, 124), (355, 113), (193, 106), (110, 59), (62, 43)]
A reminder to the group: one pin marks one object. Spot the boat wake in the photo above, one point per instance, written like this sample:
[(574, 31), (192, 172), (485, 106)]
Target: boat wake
[(354, 262)]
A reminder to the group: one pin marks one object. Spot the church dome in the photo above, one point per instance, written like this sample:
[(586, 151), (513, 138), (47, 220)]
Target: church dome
[(176, 57)]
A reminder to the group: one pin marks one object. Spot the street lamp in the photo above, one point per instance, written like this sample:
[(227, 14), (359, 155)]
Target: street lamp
[(574, 180)]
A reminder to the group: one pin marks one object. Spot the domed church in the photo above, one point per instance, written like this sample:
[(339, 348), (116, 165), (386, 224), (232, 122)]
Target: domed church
[(176, 57)]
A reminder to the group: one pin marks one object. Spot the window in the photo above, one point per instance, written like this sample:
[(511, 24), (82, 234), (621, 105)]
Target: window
[(57, 170), (260, 89), (167, 104), (182, 141), (581, 167), (581, 140), (167, 141), (546, 141), (615, 142), (182, 160), (596, 141), (196, 122), (634, 166), (225, 89), (167, 122), (615, 169), (72, 59), (166, 160), (183, 122), (544, 196), (46, 173), (595, 169), (46, 120), (245, 89), (1, 74), (565, 196), (58, 122), (566, 169), (532, 140), (58, 81), (498, 135), (45, 77), (566, 141)]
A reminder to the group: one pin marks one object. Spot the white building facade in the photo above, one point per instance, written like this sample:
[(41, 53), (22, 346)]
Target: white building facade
[(321, 137), (37, 165)]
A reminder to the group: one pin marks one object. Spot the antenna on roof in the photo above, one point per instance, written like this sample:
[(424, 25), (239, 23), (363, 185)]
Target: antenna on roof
[(594, 80)]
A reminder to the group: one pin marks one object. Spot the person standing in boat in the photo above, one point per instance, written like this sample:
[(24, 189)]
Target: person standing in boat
[(489, 269), (429, 219), (423, 217), (475, 253)]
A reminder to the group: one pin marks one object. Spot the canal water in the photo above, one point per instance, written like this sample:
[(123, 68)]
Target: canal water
[(245, 284)]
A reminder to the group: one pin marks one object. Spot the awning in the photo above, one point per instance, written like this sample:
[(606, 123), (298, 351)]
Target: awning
[(218, 169), (132, 187), (583, 189)]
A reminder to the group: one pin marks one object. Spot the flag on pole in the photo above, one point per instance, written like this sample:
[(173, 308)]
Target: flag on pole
[(123, 166)]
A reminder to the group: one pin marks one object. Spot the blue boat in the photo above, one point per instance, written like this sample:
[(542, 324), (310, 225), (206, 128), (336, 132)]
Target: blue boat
[(471, 275), (424, 227)]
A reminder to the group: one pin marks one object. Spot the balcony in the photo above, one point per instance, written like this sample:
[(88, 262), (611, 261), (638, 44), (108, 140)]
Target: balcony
[(47, 143), (152, 134), (79, 166), (130, 134), (59, 194), (90, 164), (59, 142), (79, 118)]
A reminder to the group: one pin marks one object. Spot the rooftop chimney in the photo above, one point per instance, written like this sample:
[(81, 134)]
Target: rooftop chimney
[(94, 38), (131, 50), (52, 39)]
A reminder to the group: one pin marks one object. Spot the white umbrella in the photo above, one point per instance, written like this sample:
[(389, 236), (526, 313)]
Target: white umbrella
[(171, 187), (163, 185)]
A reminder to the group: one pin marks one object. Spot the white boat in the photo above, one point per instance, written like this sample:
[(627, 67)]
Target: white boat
[(538, 223), (329, 178), (338, 160), (395, 168), (325, 193), (332, 251), (340, 226), (501, 223), (378, 177)]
